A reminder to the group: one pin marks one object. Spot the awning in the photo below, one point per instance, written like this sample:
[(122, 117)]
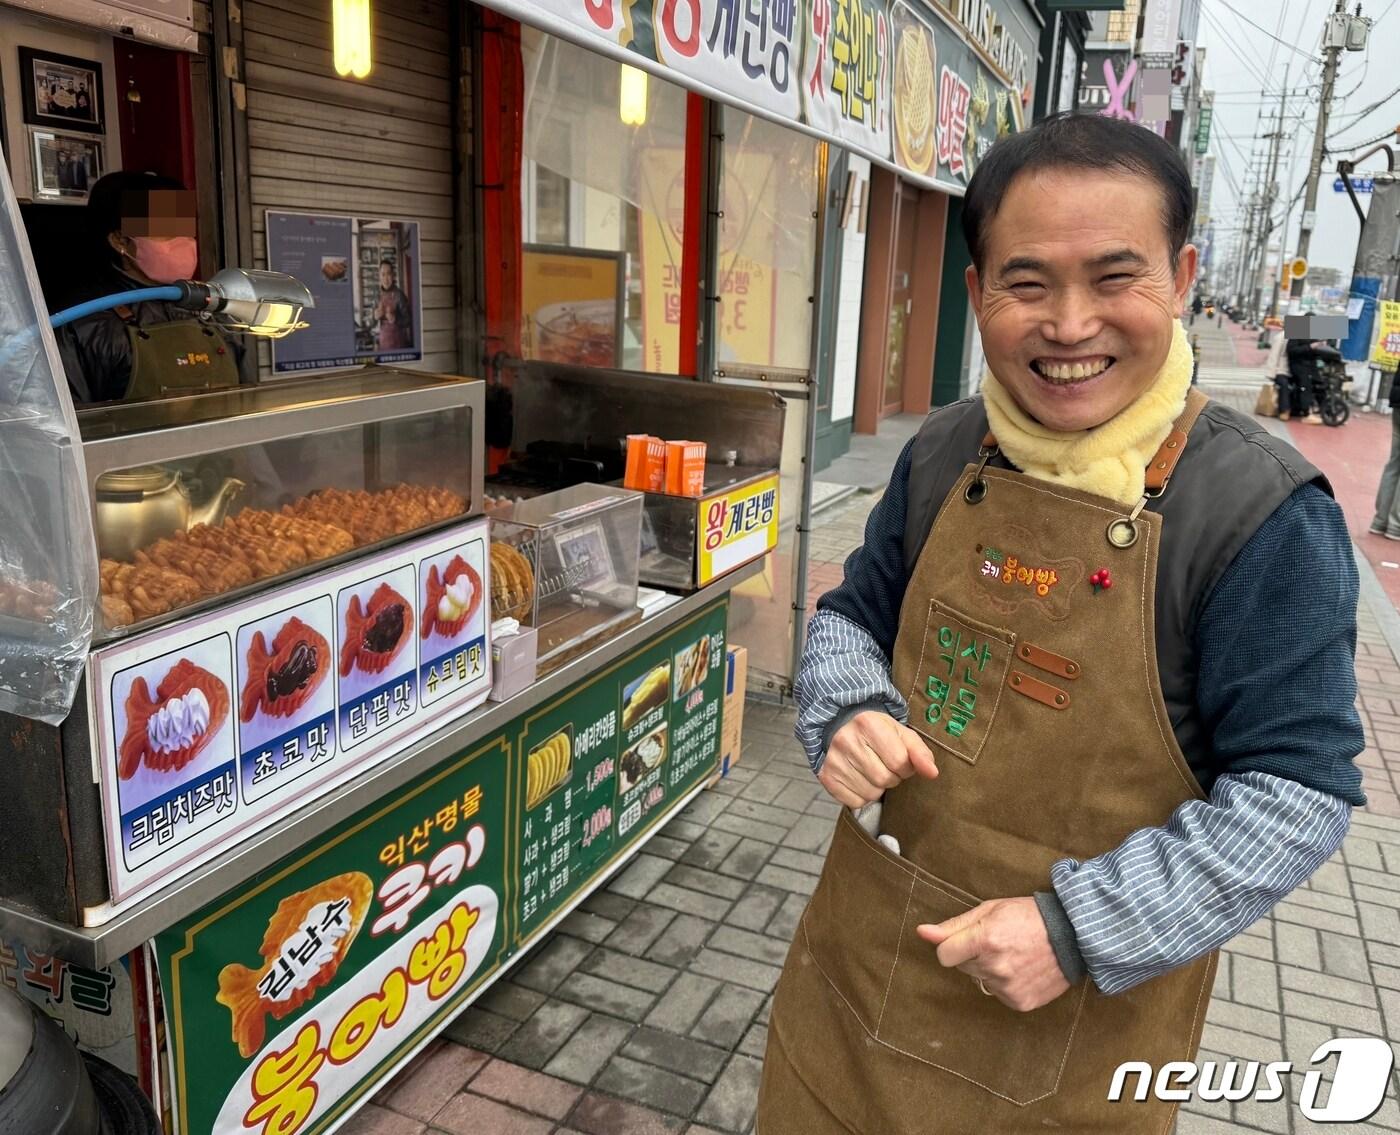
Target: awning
[(168, 23), (902, 82)]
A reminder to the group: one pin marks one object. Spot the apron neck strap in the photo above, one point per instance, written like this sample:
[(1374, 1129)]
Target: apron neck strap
[(1160, 468)]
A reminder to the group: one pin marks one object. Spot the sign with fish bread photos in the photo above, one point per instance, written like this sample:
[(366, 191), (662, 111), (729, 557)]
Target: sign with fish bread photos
[(291, 999), (213, 727), (603, 762)]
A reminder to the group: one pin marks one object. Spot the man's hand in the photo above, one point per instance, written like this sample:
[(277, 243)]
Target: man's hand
[(870, 753), (1004, 943)]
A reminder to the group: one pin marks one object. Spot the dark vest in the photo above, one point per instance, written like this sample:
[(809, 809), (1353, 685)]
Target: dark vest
[(1231, 478)]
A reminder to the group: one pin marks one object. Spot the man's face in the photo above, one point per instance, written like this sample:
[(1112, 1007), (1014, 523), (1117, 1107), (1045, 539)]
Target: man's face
[(1078, 295), (386, 277)]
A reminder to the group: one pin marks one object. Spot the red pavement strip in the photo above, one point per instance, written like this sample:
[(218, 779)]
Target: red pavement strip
[(1353, 456)]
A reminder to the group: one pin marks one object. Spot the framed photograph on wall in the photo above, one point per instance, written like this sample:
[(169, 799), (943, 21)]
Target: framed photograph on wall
[(61, 92), (64, 166)]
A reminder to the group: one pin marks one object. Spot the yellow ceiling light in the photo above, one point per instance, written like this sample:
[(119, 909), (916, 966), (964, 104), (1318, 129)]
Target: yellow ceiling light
[(632, 96), (351, 32)]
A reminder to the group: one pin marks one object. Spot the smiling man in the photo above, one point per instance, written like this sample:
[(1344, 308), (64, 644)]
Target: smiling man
[(1095, 662)]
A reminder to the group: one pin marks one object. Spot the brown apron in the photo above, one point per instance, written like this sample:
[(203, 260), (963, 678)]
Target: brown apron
[(183, 356), (1039, 696)]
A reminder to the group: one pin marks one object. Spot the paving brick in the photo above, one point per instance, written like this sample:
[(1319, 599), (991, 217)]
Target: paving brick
[(469, 1114), (1293, 911), (607, 996), (548, 966), (728, 1016), (539, 1038), (433, 1081), (586, 1053), (752, 829), (1362, 852), (510, 1000), (609, 905), (476, 1028), (655, 1087), (1381, 896), (755, 1042), (640, 876), (676, 1053), (1254, 982), (764, 788), (1332, 878), (747, 858), (796, 860), (764, 813), (667, 846), (739, 971), (687, 901), (681, 1005), (784, 924), (683, 829), (527, 1090), (756, 947), (1344, 956), (628, 970), (1221, 988), (797, 795), (636, 932), (1380, 879), (598, 1114), (1235, 1045), (1298, 945), (756, 909), (711, 849), (1379, 923), (1272, 1116), (1386, 977), (1329, 1012), (707, 882), (705, 808), (681, 941), (372, 1120), (587, 925), (734, 1097), (1243, 1018), (799, 882), (1250, 946), (1322, 900), (1324, 985)]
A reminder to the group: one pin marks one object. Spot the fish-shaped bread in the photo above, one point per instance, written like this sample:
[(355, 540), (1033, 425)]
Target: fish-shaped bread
[(376, 631), (452, 598), (169, 730), (307, 938), (282, 677)]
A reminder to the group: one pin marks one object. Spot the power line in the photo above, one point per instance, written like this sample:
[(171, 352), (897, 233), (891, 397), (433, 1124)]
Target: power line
[(1241, 16), (1251, 64), (1360, 114)]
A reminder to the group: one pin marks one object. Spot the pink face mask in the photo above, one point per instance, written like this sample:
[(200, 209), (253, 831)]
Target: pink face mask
[(166, 261)]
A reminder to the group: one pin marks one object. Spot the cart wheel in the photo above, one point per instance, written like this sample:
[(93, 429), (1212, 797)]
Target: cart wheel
[(125, 1108), (1335, 411)]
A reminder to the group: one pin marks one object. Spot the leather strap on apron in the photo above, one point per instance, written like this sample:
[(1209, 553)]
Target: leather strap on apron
[(1035, 685), (183, 356)]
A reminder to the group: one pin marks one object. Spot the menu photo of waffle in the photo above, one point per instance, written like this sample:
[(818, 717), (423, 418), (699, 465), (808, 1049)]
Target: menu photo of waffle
[(376, 634), (172, 745), (286, 704), (692, 664), (645, 694)]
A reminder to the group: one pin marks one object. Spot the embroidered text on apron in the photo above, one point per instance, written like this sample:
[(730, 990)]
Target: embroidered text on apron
[(1037, 690)]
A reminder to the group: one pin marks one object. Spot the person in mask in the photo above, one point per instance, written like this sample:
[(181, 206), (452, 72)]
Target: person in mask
[(143, 234)]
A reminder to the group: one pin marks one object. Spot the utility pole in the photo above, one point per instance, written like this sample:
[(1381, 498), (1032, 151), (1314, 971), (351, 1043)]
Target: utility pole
[(1270, 190), (1341, 32)]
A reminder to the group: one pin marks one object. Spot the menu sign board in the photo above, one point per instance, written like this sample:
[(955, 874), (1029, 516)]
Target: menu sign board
[(289, 1000), (212, 728)]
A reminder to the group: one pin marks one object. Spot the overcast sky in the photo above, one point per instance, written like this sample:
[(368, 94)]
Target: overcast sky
[(1242, 61)]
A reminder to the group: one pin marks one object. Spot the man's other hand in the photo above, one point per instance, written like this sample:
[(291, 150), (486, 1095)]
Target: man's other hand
[(871, 753), (1004, 943)]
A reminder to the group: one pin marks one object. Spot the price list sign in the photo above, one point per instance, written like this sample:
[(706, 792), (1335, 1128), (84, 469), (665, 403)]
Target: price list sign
[(601, 765)]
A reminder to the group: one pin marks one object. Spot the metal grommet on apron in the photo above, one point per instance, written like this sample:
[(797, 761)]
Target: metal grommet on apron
[(977, 487)]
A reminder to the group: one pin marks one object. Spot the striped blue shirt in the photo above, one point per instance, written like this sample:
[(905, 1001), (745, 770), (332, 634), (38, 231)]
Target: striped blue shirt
[(1276, 642)]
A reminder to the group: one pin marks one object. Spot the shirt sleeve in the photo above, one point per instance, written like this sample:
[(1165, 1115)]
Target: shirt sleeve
[(845, 666), (1277, 690)]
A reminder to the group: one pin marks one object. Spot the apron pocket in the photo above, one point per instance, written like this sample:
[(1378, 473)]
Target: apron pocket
[(852, 923), (938, 1015), (957, 682)]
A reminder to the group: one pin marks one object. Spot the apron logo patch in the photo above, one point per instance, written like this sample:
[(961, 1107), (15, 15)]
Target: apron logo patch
[(1009, 569), (1017, 569), (955, 685), (963, 681), (192, 359)]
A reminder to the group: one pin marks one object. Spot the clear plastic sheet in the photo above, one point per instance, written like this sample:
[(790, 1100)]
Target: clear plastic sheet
[(48, 557)]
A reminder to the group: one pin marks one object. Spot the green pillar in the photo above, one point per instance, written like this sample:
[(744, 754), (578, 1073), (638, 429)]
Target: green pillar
[(952, 311)]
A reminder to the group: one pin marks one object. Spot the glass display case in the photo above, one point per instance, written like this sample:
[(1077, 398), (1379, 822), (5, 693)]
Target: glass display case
[(565, 563), (200, 499)]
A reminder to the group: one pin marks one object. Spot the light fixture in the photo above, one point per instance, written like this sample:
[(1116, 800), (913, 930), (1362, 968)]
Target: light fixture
[(249, 300), (351, 34), (632, 96)]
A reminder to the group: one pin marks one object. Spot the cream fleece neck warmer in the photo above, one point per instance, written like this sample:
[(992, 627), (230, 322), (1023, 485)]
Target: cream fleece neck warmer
[(1110, 459)]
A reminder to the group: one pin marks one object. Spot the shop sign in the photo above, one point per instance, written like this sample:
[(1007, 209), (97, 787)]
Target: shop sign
[(737, 527), (1386, 353), (291, 999), (211, 729), (366, 277), (571, 305), (846, 76), (833, 66)]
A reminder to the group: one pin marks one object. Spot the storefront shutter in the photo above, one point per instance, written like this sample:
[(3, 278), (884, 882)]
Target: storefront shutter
[(374, 148)]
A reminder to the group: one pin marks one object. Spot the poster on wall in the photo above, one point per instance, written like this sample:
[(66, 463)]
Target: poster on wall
[(366, 276), (571, 305), (61, 92), (915, 88), (846, 72), (291, 999), (63, 167)]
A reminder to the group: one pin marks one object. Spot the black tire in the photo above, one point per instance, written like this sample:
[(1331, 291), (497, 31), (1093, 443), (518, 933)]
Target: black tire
[(125, 1108), (49, 1093), (1335, 410)]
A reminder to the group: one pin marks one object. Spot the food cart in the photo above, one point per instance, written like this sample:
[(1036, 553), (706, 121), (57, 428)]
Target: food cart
[(285, 836)]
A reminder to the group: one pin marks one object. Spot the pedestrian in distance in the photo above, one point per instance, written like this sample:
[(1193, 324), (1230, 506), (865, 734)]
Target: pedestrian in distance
[(1387, 519)]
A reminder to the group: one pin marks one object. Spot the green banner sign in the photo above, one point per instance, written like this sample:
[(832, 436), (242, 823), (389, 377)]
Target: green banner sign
[(292, 997)]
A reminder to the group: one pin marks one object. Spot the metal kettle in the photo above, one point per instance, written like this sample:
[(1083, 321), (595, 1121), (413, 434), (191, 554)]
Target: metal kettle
[(138, 506)]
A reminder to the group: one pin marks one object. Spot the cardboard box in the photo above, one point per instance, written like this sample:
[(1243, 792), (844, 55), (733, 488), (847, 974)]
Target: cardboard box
[(685, 468), (646, 464), (736, 677)]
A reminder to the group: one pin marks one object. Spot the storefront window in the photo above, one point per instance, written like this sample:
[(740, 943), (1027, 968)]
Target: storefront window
[(767, 246), (603, 208)]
